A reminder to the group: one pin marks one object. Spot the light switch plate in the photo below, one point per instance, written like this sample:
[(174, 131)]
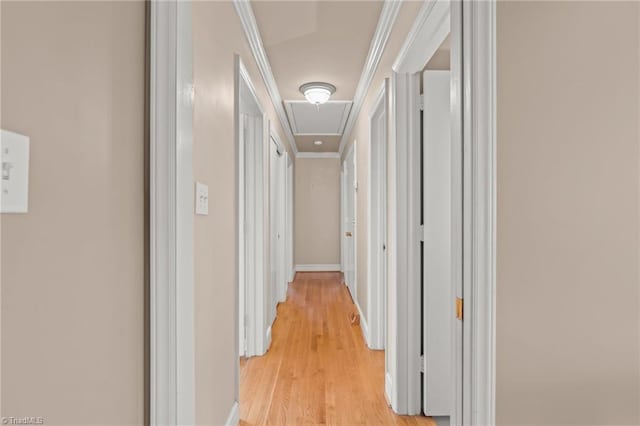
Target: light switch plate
[(202, 199), (14, 162)]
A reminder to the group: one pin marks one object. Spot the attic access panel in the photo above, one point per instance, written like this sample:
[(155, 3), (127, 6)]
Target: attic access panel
[(326, 119)]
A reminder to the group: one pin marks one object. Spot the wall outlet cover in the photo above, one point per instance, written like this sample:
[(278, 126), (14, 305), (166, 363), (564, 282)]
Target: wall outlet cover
[(14, 160), (202, 199)]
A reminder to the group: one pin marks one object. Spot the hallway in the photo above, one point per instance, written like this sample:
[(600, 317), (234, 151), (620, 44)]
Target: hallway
[(318, 369)]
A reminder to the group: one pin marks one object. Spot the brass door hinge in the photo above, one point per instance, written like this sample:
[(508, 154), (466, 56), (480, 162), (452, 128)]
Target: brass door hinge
[(459, 303)]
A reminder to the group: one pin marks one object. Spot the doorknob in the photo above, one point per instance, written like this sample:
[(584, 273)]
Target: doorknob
[(348, 234)]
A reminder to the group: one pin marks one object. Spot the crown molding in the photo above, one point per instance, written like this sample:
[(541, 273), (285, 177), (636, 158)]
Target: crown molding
[(386, 21), (318, 155), (250, 26), (431, 27)]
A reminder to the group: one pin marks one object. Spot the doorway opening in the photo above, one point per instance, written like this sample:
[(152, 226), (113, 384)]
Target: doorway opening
[(377, 222), (349, 226), (252, 145)]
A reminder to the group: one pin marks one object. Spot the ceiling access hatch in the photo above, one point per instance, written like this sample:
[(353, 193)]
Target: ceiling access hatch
[(327, 119)]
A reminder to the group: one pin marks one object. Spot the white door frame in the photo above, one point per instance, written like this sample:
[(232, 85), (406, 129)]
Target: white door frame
[(290, 223), (438, 313), (473, 180), (278, 250), (376, 222), (343, 210), (346, 257), (171, 304), (479, 276), (253, 240)]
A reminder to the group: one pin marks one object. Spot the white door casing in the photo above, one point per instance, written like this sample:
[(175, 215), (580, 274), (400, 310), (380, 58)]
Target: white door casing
[(171, 302), (438, 294), (349, 222), (472, 27), (290, 223), (278, 164), (253, 207), (402, 380), (377, 222)]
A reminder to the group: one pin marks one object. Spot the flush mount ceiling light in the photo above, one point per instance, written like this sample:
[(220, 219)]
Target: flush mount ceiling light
[(317, 93), (318, 143)]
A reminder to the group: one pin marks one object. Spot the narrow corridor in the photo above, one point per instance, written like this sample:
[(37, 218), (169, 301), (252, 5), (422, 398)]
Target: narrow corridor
[(318, 369)]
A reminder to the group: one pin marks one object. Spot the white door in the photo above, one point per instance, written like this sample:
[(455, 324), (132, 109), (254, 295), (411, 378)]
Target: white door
[(277, 166), (378, 228), (349, 221), (289, 226), (438, 301), (250, 134)]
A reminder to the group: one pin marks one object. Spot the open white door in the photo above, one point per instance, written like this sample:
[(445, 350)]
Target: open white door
[(253, 271), (438, 300), (349, 221), (277, 190), (290, 270), (377, 223)]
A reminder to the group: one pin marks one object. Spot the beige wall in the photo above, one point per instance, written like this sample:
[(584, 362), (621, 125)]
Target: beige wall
[(73, 267), (217, 36), (361, 136), (317, 211), (568, 217)]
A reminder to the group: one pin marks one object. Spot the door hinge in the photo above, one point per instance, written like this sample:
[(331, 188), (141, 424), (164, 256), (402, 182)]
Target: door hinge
[(459, 306), (422, 363), (421, 231), (421, 102)]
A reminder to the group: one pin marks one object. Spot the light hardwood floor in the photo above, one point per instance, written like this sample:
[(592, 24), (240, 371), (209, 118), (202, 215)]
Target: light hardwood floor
[(318, 369)]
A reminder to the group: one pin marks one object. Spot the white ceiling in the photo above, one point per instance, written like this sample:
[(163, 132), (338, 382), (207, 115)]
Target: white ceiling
[(317, 41), (325, 119), (323, 40)]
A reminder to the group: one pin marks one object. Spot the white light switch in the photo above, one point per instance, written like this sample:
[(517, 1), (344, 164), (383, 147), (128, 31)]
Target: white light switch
[(14, 159), (202, 198)]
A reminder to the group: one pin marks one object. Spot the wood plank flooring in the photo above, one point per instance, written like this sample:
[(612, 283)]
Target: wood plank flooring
[(318, 369)]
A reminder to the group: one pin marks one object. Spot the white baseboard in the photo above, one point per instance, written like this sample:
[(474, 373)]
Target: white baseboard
[(267, 342), (363, 324), (388, 387), (318, 268), (234, 415)]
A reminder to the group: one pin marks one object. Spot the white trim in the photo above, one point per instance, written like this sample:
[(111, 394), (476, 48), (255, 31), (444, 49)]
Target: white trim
[(431, 27), (388, 387), (363, 324), (404, 338), (429, 30), (472, 26), (234, 415), (248, 20), (172, 349), (267, 337), (457, 411), (291, 270), (246, 78), (387, 18), (345, 188), (257, 194), (318, 267), (376, 232), (318, 155), (479, 52), (276, 140), (378, 99)]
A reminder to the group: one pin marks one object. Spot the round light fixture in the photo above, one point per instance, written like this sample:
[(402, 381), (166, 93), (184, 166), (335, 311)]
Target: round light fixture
[(317, 93), (318, 143)]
